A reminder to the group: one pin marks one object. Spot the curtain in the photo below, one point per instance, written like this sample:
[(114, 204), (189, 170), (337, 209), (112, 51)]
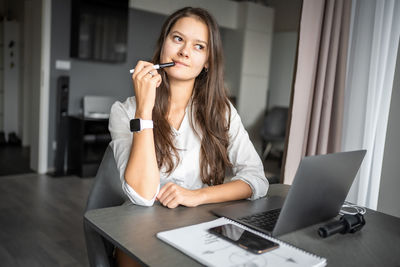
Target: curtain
[(315, 119), (374, 41)]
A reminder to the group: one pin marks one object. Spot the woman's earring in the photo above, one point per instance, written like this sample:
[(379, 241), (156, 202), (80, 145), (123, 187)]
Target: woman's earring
[(206, 70)]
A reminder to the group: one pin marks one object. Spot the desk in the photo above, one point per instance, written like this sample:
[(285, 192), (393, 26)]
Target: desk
[(133, 229)]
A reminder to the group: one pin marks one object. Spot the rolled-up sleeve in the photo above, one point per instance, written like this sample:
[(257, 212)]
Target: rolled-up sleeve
[(247, 165), (121, 143)]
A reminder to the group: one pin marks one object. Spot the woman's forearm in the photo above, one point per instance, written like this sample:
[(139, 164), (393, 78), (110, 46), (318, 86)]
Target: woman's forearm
[(142, 172), (225, 192)]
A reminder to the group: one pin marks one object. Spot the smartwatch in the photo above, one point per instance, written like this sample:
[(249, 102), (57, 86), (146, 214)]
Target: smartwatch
[(137, 125)]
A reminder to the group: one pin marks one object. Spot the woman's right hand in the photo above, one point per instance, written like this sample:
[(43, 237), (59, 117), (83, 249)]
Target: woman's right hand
[(145, 85)]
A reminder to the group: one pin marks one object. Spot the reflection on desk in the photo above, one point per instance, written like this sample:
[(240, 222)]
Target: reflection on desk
[(134, 228)]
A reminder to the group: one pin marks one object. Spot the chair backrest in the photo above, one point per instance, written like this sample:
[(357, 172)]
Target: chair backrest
[(274, 124), (106, 192)]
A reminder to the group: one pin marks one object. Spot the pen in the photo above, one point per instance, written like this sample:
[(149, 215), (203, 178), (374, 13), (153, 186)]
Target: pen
[(158, 66)]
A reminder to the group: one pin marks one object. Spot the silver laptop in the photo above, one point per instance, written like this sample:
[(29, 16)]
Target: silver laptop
[(318, 191)]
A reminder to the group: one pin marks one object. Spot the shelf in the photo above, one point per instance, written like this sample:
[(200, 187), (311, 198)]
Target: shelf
[(88, 140)]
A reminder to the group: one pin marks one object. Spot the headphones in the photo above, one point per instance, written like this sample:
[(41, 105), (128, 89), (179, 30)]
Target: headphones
[(351, 209)]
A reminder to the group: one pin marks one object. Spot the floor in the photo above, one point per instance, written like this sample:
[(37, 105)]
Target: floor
[(41, 220)]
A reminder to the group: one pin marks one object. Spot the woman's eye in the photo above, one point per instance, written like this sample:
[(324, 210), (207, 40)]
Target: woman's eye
[(177, 38), (199, 47)]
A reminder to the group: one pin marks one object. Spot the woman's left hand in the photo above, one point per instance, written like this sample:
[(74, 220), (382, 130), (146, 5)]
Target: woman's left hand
[(172, 195)]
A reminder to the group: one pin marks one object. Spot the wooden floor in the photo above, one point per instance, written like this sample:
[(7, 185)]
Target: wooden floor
[(41, 220)]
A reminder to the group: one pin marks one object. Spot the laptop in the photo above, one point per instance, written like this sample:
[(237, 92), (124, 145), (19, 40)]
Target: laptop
[(318, 191)]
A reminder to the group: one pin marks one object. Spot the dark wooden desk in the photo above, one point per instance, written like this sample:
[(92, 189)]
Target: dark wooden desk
[(133, 229)]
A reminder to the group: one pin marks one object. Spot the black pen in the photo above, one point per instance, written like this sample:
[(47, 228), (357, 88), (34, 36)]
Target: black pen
[(158, 66)]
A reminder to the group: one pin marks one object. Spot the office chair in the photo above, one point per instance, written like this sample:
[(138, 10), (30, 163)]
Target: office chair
[(273, 130), (106, 192)]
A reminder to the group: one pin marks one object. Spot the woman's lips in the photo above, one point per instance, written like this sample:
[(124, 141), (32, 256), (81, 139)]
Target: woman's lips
[(178, 63)]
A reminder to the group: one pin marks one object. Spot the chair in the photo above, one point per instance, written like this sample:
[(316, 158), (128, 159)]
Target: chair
[(106, 192), (273, 130)]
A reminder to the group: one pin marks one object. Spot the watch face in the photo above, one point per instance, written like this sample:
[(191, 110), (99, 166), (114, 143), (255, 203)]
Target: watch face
[(135, 125)]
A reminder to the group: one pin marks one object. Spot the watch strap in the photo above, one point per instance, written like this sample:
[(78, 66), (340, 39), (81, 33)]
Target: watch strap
[(146, 124)]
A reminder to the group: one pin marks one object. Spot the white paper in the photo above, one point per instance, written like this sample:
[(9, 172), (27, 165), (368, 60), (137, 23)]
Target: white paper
[(211, 250)]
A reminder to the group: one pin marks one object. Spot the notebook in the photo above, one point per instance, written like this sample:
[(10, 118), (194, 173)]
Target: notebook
[(210, 250), (319, 189)]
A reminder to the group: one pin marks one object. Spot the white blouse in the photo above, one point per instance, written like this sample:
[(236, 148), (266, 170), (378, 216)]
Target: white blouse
[(247, 165)]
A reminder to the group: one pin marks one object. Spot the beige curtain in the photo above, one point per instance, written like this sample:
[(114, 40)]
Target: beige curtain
[(315, 118)]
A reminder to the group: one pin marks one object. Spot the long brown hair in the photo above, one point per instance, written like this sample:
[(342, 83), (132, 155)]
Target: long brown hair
[(210, 107)]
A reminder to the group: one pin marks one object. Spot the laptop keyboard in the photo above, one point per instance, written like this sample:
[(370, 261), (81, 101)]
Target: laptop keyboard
[(264, 220)]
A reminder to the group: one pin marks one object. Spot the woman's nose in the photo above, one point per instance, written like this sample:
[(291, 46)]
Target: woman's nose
[(183, 52)]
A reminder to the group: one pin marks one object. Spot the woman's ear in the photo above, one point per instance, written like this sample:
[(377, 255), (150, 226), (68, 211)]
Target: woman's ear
[(206, 67)]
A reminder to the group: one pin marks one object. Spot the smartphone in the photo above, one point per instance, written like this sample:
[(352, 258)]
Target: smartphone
[(243, 238)]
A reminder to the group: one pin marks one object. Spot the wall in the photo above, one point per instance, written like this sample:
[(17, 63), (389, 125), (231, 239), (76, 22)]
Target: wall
[(13, 100), (287, 14), (232, 43), (284, 48), (35, 46), (282, 68), (27, 54), (224, 11), (11, 77), (389, 197), (256, 26), (96, 78)]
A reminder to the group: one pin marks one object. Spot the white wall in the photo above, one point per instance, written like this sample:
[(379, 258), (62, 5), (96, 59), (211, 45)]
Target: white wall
[(389, 196), (232, 43), (282, 68), (256, 27)]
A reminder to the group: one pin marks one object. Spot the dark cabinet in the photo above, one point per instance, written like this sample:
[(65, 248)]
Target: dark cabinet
[(88, 140)]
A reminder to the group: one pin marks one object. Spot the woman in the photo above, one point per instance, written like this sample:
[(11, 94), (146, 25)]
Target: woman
[(197, 134)]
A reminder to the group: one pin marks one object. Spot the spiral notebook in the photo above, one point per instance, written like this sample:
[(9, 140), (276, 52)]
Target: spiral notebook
[(208, 249)]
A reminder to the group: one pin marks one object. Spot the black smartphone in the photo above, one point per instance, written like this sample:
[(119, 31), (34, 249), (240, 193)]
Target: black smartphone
[(243, 238)]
